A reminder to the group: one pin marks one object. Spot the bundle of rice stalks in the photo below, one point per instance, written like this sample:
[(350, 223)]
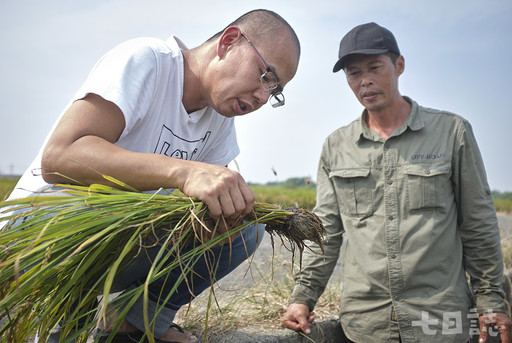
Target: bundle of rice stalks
[(59, 252)]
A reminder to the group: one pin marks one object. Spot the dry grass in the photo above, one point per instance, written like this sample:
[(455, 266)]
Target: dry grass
[(257, 293), (506, 247)]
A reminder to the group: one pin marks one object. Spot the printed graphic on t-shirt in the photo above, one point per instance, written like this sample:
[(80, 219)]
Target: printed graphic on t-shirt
[(172, 145)]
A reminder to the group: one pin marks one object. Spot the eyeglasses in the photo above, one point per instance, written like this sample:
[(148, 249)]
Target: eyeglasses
[(269, 80)]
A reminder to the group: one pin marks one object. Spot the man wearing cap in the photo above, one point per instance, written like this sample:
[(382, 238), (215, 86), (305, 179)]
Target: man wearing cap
[(402, 192)]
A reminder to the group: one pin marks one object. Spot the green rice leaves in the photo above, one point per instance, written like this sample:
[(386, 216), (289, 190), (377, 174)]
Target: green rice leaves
[(60, 252)]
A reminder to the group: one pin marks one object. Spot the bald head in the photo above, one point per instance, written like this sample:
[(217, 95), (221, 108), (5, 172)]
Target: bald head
[(264, 26), (228, 67)]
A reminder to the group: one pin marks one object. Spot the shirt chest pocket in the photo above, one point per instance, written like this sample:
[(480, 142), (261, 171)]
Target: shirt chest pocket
[(354, 191), (427, 185)]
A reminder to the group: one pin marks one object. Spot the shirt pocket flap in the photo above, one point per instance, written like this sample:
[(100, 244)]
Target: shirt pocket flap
[(427, 184), (353, 187), (428, 170), (350, 173)]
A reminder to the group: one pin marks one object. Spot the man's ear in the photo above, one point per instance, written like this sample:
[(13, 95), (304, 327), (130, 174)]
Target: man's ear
[(227, 39), (400, 65)]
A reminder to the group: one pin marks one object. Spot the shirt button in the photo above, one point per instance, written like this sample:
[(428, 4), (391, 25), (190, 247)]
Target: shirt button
[(390, 182), (390, 218), (427, 172), (393, 256), (386, 145)]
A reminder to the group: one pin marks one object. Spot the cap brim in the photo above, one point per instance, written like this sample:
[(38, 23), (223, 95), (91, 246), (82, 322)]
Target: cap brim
[(338, 66), (341, 62)]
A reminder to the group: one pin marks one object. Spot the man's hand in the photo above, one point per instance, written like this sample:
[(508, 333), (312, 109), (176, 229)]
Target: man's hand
[(298, 317), (498, 321), (224, 191)]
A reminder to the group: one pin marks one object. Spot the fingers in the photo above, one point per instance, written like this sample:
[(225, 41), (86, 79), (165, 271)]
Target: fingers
[(248, 197), (298, 318), (496, 320), (224, 191), (237, 200), (504, 327), (305, 325), (483, 334), (291, 323), (230, 196), (297, 324), (484, 322)]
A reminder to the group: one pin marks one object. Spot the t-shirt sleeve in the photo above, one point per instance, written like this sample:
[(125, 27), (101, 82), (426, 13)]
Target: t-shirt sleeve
[(126, 76)]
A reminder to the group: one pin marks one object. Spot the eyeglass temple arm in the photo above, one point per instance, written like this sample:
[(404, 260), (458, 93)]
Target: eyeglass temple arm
[(257, 52)]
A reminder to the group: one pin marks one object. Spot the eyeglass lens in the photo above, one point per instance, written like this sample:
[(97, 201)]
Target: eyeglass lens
[(269, 81), (277, 99)]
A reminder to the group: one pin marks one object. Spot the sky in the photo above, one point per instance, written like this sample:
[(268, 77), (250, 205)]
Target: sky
[(457, 58)]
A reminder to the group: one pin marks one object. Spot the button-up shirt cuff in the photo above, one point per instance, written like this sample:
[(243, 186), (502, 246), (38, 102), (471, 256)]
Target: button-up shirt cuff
[(490, 303), (304, 295)]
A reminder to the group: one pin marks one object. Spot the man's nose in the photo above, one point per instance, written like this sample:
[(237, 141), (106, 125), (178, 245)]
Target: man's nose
[(261, 96), (366, 79)]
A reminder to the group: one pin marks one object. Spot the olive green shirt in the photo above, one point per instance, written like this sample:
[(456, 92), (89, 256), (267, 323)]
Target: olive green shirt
[(414, 213)]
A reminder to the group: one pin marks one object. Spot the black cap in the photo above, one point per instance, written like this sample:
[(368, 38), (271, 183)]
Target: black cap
[(367, 39)]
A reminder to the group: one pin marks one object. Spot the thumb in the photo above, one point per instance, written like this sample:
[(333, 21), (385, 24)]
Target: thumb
[(305, 325)]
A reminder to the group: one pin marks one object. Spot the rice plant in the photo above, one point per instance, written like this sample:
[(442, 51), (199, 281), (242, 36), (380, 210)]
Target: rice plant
[(59, 253)]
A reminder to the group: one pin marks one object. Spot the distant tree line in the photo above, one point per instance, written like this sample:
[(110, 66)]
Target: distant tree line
[(293, 182), (275, 192), (502, 195), (502, 201), (297, 182)]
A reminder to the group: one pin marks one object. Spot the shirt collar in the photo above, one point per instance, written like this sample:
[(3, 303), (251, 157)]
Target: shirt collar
[(414, 122)]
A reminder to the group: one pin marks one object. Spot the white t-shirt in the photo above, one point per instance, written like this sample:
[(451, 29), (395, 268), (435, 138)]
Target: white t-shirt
[(144, 78)]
